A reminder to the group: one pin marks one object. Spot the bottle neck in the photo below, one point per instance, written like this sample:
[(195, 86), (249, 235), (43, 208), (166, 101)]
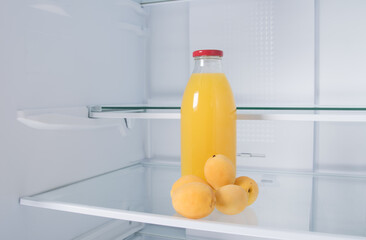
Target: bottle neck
[(207, 64)]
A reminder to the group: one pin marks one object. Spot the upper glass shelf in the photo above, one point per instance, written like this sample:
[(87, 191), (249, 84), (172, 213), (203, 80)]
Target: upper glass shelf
[(282, 113), (290, 205), (145, 2)]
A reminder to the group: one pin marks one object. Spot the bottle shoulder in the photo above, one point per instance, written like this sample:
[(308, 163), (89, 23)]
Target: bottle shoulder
[(208, 89)]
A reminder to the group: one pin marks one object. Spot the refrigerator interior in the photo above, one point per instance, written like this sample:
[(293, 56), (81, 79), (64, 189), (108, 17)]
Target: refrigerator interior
[(64, 54), (60, 56)]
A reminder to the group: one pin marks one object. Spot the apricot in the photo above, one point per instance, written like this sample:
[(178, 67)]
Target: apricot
[(184, 180), (194, 200), (219, 171), (231, 199), (250, 186)]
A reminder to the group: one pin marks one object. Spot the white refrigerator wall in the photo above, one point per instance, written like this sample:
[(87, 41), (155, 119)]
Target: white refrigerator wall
[(76, 53), (275, 53), (341, 81), (64, 54), (268, 59)]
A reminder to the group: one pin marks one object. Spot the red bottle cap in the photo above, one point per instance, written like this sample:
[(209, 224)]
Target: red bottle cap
[(208, 52)]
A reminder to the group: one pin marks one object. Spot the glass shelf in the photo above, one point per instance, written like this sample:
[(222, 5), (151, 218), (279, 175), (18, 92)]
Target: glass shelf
[(147, 2), (272, 113), (291, 205), (155, 232)]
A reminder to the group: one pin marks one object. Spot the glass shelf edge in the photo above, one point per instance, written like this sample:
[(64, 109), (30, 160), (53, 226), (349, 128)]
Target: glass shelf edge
[(260, 108), (131, 164), (134, 115), (152, 2), (173, 221), (240, 116), (156, 162), (303, 117)]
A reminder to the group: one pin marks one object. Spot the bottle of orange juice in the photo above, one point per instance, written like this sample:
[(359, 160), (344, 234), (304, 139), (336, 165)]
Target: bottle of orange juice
[(208, 114)]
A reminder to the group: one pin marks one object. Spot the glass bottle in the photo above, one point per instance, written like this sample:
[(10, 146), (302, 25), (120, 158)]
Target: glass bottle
[(208, 114)]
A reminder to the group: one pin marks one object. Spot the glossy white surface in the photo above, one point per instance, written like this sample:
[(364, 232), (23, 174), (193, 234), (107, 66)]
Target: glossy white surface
[(341, 80), (66, 119), (342, 38), (62, 54)]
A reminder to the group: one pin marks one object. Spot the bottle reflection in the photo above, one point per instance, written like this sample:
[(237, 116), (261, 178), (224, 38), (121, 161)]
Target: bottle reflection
[(246, 217)]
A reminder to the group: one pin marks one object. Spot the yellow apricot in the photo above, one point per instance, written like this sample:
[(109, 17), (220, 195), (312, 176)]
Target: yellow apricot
[(231, 199), (219, 171), (184, 180), (194, 200), (250, 186)]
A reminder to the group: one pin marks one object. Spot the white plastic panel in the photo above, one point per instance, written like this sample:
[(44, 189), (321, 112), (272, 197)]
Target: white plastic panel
[(268, 47), (268, 59), (345, 212), (63, 54), (341, 147), (168, 70), (168, 52), (342, 50), (285, 145), (165, 138), (80, 53), (279, 142), (342, 73)]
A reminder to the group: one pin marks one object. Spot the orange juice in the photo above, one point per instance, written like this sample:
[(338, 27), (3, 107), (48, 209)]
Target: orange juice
[(208, 121)]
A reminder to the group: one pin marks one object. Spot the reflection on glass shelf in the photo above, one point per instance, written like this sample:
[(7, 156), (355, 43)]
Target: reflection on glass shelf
[(155, 232), (282, 113), (143, 2), (289, 206)]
